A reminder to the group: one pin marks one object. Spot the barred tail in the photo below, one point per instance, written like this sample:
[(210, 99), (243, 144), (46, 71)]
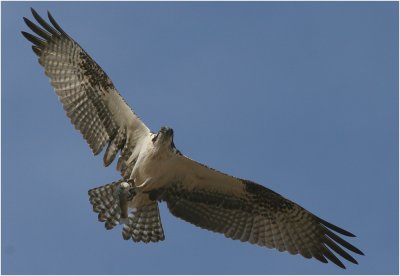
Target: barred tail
[(142, 224), (106, 204)]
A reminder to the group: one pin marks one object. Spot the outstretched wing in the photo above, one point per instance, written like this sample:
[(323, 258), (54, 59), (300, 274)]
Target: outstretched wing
[(89, 97), (246, 211)]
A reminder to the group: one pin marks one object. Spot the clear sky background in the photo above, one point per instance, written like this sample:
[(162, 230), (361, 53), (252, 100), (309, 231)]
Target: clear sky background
[(300, 97)]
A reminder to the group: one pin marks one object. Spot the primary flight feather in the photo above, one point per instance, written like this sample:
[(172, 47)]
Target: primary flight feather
[(153, 170)]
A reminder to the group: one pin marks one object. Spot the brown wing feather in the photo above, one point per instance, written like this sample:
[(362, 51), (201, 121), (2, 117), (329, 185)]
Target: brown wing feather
[(88, 95), (246, 211)]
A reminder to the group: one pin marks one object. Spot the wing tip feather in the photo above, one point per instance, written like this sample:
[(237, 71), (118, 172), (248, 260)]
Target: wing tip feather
[(44, 24), (55, 24), (336, 228)]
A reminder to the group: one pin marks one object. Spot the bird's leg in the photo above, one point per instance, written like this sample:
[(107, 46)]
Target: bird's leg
[(131, 193)]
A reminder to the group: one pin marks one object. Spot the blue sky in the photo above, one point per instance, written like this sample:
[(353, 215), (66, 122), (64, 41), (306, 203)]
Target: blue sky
[(300, 97)]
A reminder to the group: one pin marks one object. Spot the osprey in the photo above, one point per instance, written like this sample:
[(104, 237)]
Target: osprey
[(153, 170)]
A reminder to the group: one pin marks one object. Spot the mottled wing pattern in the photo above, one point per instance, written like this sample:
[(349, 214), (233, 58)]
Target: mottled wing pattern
[(246, 211), (106, 204), (89, 97), (144, 225)]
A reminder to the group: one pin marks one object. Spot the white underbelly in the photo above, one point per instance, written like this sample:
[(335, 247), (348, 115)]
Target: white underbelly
[(153, 173)]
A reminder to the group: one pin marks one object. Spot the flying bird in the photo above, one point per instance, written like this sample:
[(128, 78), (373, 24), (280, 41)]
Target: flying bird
[(154, 170)]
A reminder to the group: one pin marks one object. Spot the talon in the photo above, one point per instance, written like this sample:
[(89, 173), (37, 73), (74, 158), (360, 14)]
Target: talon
[(132, 193)]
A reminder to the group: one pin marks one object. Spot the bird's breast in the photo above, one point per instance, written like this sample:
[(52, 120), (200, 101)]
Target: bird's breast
[(153, 171)]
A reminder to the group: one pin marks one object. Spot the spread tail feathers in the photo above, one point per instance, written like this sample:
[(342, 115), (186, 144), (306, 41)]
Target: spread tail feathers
[(106, 204), (142, 224)]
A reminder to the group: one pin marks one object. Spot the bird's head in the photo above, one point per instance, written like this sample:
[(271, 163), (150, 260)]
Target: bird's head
[(164, 138)]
